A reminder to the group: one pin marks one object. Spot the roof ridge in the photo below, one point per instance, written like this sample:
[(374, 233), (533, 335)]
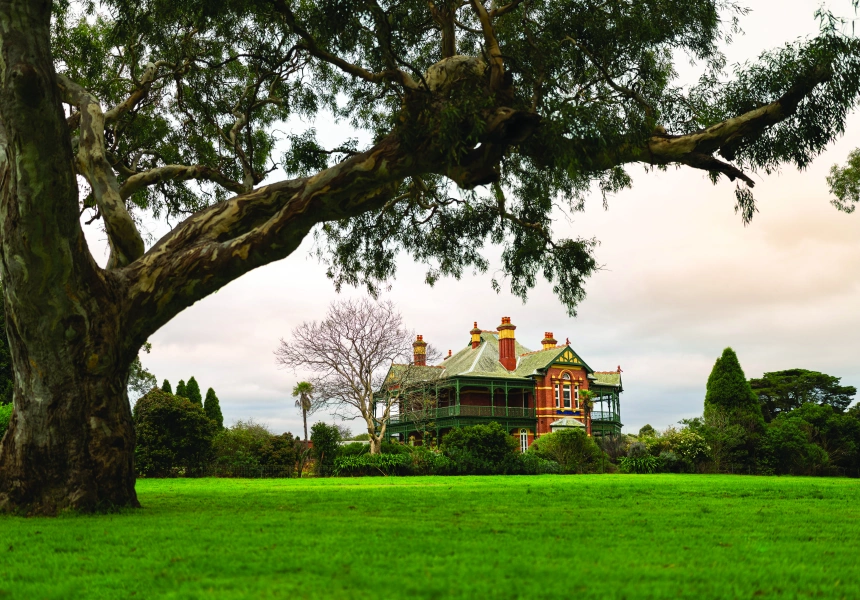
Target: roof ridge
[(542, 350)]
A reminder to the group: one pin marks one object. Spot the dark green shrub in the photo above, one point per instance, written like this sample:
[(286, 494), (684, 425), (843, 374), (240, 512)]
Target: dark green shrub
[(325, 440), (535, 465), (640, 464), (282, 451), (192, 391), (5, 417), (387, 447), (174, 437), (671, 462), (482, 450), (241, 445), (571, 449), (371, 465), (427, 461), (354, 449), (212, 408)]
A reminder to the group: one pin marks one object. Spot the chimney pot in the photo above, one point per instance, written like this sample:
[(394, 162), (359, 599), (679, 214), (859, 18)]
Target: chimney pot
[(476, 336), (419, 352), (507, 344), (548, 341)]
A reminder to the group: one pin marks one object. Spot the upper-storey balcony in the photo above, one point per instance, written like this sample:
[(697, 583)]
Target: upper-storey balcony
[(464, 410)]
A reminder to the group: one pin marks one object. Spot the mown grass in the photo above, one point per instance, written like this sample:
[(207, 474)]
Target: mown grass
[(602, 536)]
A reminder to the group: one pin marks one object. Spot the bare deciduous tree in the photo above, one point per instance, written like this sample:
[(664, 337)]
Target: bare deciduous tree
[(350, 352)]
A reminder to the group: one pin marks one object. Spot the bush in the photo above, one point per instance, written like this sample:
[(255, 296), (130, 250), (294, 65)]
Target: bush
[(325, 440), (371, 464), (353, 449), (426, 461), (241, 445), (640, 464), (174, 436), (572, 449), (5, 417), (481, 450), (535, 465)]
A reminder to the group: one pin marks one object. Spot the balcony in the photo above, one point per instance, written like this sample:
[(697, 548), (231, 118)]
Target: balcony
[(605, 416), (464, 410)]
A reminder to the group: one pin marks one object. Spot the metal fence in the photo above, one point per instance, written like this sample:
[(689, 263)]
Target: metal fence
[(464, 410)]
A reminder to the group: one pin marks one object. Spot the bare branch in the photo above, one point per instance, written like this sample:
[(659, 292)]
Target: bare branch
[(125, 241)]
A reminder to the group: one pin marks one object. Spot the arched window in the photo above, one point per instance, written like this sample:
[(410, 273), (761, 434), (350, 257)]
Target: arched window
[(524, 440), (565, 392)]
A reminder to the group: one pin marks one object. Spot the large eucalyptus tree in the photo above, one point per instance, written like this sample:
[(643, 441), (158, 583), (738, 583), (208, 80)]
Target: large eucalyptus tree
[(482, 116)]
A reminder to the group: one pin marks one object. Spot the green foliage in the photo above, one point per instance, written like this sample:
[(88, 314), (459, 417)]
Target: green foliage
[(600, 79), (180, 389), (481, 450), (812, 439), (733, 417), (165, 387), (5, 417), (140, 380), (212, 408), (844, 183), (782, 391), (325, 440), (644, 464), (427, 461), (572, 449), (647, 431), (372, 464), (241, 445), (174, 436), (192, 391)]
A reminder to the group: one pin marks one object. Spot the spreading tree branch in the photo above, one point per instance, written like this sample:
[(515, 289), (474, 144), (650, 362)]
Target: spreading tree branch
[(125, 241)]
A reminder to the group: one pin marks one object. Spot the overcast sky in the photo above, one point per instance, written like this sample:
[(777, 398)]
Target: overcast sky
[(682, 279)]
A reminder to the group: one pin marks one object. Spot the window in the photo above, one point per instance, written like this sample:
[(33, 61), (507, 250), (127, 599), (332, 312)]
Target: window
[(576, 397), (557, 396), (567, 395), (566, 376), (524, 440)]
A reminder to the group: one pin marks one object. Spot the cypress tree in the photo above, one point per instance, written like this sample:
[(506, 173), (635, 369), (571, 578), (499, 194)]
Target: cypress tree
[(212, 408), (728, 387), (732, 411), (165, 387), (180, 389), (192, 392)]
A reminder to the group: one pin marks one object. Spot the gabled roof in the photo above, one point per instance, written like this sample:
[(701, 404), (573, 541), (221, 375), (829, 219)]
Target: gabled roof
[(483, 362), (608, 378)]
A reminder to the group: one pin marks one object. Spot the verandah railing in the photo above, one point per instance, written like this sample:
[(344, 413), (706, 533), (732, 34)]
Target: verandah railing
[(597, 415), (464, 410)]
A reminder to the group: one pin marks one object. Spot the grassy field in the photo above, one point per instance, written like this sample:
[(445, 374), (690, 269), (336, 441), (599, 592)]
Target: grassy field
[(602, 536)]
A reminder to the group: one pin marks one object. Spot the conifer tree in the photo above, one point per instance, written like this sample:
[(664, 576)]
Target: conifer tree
[(165, 387), (192, 392), (212, 408), (180, 389), (733, 417)]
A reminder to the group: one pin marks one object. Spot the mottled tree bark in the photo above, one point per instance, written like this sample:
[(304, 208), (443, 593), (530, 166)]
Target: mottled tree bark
[(70, 443)]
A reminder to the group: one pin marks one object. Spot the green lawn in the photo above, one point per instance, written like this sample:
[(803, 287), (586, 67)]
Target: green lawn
[(600, 536)]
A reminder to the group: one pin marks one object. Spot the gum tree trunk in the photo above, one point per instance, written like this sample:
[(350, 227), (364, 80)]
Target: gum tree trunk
[(70, 442)]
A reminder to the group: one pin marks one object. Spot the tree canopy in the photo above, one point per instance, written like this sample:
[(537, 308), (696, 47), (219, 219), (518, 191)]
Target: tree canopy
[(476, 120), (484, 117), (783, 391)]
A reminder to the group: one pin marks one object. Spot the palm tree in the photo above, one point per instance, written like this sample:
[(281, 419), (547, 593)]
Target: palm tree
[(302, 392)]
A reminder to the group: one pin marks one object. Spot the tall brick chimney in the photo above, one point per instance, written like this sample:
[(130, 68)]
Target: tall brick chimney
[(507, 347), (476, 336), (419, 352), (548, 341)]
